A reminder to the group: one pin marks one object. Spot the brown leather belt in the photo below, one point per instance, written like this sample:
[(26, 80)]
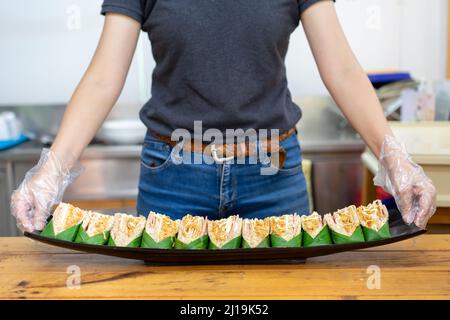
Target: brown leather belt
[(223, 152)]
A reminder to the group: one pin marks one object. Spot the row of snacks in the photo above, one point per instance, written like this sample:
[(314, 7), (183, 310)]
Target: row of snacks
[(348, 225)]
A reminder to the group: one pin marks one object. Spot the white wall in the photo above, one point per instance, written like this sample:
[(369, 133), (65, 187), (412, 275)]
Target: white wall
[(384, 34), (46, 45)]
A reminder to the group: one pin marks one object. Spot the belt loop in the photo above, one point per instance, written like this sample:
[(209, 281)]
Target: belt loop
[(282, 153)]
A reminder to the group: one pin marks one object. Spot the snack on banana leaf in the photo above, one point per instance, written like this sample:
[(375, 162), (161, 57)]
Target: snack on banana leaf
[(126, 231), (95, 228), (286, 231), (344, 225), (255, 233), (374, 221), (225, 233), (160, 231), (192, 233), (65, 222), (315, 231)]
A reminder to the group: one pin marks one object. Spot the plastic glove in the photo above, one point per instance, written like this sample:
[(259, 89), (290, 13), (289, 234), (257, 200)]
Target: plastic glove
[(42, 187), (413, 191)]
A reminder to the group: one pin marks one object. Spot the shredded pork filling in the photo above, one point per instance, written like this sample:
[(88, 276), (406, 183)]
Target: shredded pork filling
[(287, 226), (344, 221), (255, 230), (66, 216), (192, 228), (313, 224), (373, 216), (96, 223), (160, 226), (126, 228), (223, 230)]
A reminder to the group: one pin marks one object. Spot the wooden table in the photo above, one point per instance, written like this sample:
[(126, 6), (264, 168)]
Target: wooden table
[(413, 269)]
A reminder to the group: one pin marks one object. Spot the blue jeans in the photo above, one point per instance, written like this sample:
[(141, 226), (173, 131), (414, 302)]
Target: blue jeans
[(219, 190)]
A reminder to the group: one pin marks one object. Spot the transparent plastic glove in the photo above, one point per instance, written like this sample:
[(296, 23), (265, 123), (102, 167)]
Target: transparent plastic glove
[(413, 191), (42, 187)]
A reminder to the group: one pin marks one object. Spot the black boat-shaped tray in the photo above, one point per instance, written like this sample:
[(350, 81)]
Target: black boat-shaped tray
[(399, 231)]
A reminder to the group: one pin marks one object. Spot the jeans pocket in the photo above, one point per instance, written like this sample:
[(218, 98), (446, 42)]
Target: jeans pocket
[(293, 161), (155, 155)]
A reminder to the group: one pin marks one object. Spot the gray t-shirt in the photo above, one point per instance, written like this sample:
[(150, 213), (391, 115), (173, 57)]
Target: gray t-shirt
[(218, 61)]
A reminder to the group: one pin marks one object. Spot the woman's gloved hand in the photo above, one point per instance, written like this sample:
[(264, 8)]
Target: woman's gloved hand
[(42, 187), (413, 191)]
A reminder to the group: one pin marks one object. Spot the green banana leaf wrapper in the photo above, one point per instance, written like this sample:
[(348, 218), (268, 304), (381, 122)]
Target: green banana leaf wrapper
[(356, 237), (149, 242), (136, 243), (66, 235), (277, 241), (99, 239), (323, 238), (265, 243), (200, 243), (232, 244), (372, 235)]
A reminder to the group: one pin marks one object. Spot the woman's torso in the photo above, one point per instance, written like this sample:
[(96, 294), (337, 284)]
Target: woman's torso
[(220, 62)]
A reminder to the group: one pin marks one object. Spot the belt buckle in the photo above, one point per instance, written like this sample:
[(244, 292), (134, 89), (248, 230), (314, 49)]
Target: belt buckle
[(215, 155)]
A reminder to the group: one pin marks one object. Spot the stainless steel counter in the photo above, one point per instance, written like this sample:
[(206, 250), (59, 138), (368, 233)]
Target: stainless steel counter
[(31, 150)]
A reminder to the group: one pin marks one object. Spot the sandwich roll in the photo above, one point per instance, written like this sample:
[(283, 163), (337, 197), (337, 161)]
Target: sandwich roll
[(65, 222), (255, 233), (127, 230), (160, 231), (225, 233), (345, 226), (374, 219), (315, 230), (192, 233), (95, 229), (285, 231)]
